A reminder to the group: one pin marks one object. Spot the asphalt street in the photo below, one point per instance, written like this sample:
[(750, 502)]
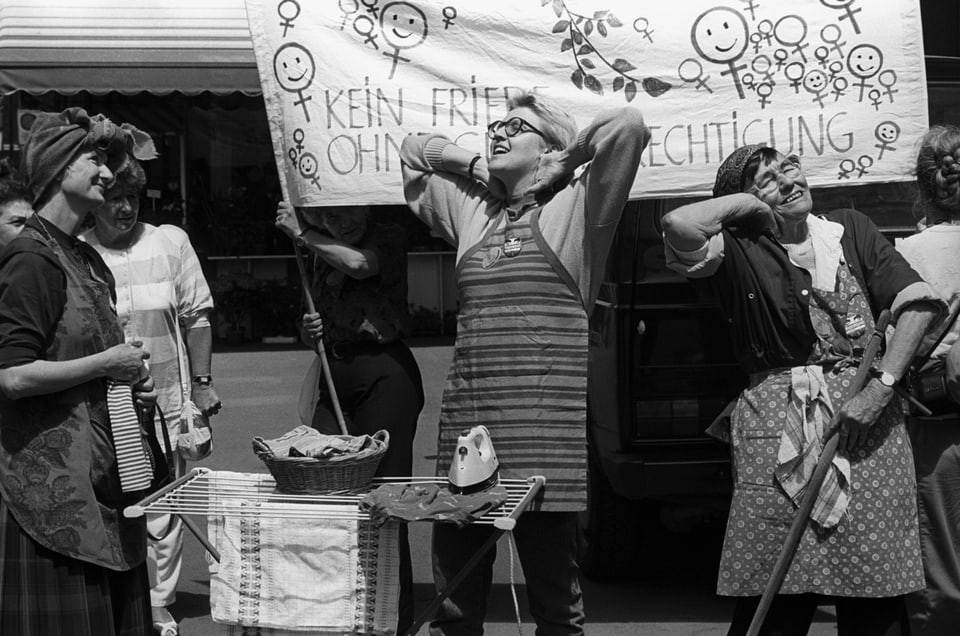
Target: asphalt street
[(260, 388)]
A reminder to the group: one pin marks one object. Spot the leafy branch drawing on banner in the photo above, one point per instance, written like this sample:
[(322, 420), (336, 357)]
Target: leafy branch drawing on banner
[(580, 28)]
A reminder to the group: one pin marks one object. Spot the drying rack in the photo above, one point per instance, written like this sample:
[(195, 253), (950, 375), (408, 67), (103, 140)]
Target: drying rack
[(205, 492)]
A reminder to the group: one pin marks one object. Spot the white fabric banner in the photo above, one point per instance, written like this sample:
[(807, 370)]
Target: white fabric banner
[(839, 82)]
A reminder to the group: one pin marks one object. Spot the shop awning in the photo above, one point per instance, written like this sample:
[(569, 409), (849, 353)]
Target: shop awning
[(130, 46)]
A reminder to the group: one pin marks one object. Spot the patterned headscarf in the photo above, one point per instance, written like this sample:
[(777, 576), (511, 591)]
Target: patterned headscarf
[(56, 138), (730, 174)]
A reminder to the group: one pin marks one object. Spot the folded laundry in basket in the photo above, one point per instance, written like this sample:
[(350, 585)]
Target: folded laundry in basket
[(304, 441), (316, 574), (419, 502)]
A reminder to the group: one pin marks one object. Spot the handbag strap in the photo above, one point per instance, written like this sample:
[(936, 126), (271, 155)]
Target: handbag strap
[(952, 318), (181, 362)]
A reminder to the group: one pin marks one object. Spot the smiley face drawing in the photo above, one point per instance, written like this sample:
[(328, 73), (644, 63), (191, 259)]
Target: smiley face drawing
[(308, 165), (887, 132), (294, 67), (404, 26), (864, 60), (815, 81), (720, 35)]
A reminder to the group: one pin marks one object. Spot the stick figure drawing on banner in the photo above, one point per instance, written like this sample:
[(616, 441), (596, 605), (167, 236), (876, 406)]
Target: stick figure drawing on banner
[(404, 26), (690, 70), (887, 133), (791, 30), (294, 69), (863, 62), (815, 83), (849, 11), (642, 26), (720, 35), (364, 27), (449, 15), (289, 10), (306, 162)]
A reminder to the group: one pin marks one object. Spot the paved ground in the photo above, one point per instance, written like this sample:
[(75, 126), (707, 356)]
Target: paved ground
[(260, 389)]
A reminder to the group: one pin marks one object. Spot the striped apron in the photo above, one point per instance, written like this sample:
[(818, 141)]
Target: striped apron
[(520, 362)]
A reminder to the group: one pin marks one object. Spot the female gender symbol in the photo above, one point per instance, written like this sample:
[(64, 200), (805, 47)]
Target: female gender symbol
[(831, 35), (642, 26), (864, 162), (794, 72), (366, 31), (764, 33), (887, 79), (347, 12), (764, 91), (815, 83), (294, 69), (763, 66), (720, 35), (887, 133), (791, 30), (848, 15), (694, 73), (847, 166), (835, 67), (864, 61), (288, 19), (449, 15), (822, 54), (404, 26), (781, 56), (840, 85)]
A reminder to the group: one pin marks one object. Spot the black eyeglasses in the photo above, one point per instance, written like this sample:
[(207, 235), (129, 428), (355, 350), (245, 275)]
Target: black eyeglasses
[(512, 127)]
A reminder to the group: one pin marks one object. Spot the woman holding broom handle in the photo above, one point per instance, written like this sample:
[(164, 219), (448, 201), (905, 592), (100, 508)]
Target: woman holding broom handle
[(359, 287), (801, 292)]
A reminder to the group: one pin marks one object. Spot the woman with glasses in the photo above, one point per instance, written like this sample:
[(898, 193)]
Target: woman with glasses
[(801, 292), (161, 294), (532, 238)]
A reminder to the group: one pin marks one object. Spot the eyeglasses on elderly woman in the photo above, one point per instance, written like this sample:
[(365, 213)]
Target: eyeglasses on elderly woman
[(512, 127), (769, 180)]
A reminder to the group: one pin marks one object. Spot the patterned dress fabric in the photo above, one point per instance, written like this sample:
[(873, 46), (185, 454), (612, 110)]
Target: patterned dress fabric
[(874, 550)]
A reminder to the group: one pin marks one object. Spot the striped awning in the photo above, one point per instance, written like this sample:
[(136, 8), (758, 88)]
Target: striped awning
[(130, 46)]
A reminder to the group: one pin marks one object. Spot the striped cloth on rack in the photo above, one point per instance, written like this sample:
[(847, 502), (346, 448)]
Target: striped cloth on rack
[(132, 461), (321, 573)]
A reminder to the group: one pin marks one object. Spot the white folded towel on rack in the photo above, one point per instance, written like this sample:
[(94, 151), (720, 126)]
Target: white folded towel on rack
[(324, 573)]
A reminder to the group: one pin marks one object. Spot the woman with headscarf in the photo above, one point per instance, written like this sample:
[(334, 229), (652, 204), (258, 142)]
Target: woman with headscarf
[(532, 238), (801, 292), (70, 563), (163, 295), (935, 610)]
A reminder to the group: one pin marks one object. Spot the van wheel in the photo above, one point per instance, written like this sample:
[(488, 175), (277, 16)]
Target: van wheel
[(609, 536)]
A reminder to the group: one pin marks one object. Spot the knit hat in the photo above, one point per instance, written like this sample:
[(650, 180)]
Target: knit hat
[(56, 138), (730, 174)]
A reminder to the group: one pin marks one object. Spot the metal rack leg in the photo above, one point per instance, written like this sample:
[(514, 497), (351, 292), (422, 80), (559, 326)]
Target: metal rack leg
[(201, 537), (431, 609)]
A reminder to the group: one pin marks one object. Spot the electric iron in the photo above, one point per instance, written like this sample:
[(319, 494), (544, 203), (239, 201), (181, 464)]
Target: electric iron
[(474, 466)]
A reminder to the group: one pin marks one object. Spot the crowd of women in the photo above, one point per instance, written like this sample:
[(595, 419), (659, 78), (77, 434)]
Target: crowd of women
[(92, 299)]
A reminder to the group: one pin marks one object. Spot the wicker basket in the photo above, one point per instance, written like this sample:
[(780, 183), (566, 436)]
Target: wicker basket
[(309, 475)]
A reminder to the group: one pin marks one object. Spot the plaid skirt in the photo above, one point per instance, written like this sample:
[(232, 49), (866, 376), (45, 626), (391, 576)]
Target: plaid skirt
[(43, 593)]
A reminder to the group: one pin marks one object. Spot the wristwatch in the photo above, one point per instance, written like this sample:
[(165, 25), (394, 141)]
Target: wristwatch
[(203, 380), (887, 379), (301, 239)]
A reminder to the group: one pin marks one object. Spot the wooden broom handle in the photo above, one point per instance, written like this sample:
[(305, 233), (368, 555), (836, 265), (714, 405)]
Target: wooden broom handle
[(792, 540), (321, 351)]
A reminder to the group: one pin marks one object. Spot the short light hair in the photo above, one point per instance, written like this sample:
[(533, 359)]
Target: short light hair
[(558, 128)]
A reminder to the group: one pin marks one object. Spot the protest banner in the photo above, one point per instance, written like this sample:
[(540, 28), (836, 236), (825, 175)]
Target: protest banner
[(839, 82)]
